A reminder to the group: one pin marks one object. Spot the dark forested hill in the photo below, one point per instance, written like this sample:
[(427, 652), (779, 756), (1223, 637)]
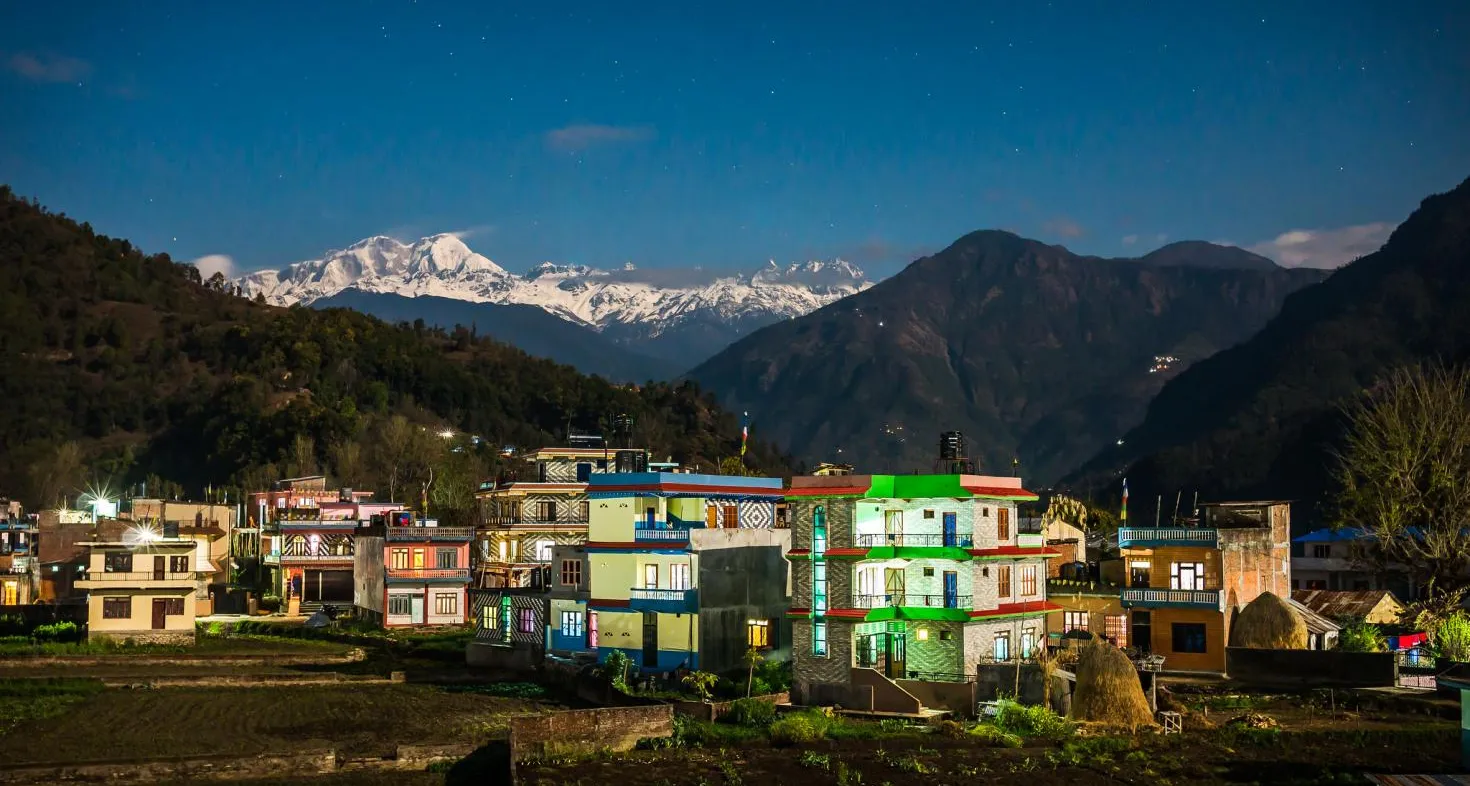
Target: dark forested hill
[(1260, 418), (1031, 350), (119, 364)]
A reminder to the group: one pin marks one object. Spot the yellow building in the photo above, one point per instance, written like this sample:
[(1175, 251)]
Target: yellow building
[(141, 588)]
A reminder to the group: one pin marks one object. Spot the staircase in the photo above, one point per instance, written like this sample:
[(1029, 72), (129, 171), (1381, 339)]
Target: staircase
[(879, 694)]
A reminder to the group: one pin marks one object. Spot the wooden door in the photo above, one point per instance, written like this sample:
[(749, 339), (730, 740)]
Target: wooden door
[(893, 586), (894, 663), (1003, 525), (160, 612), (160, 566), (650, 639)]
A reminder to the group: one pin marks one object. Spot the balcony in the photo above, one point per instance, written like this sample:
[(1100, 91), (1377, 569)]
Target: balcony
[(912, 600), (420, 534), (532, 522), (661, 534), (16, 525), (1149, 598), (136, 578), (1030, 540), (316, 557), (327, 525), (928, 540), (668, 601), (1152, 537), (428, 574)]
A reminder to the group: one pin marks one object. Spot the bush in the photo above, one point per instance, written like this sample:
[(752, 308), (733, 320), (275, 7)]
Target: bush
[(750, 712), (1452, 638), (994, 737), (270, 603), (799, 728), (1037, 721), (615, 669), (1360, 637), (58, 631)]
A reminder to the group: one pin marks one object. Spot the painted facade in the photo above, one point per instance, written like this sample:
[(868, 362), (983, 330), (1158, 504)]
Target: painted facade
[(309, 534), (1185, 583), (19, 556), (210, 526), (140, 588), (523, 519), (684, 571), (412, 572), (920, 577)]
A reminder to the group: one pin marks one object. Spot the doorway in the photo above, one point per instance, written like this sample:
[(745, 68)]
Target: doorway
[(160, 612), (893, 586), (1142, 631), (416, 609), (650, 639), (893, 667), (951, 589), (951, 530), (160, 565)]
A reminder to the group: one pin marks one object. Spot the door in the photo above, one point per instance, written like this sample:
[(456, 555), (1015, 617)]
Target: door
[(416, 609), (951, 589), (893, 669), (893, 584), (1138, 573), (951, 531), (650, 516), (160, 613), (650, 639), (584, 472), (893, 526), (1142, 632), (160, 565), (591, 630), (1003, 525)]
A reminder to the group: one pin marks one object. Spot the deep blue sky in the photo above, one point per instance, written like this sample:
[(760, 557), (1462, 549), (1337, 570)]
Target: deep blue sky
[(673, 134)]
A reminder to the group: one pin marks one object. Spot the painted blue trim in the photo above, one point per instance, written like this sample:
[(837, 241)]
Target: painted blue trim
[(668, 660), (626, 550), (612, 479), (559, 641), (688, 604)]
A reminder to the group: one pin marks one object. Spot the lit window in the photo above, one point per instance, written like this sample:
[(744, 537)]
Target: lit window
[(1115, 629), (446, 603), (1002, 646), (679, 577), (1028, 579), (571, 623), (1028, 642), (819, 529), (819, 588), (1074, 620), (758, 634), (819, 638), (400, 559), (1187, 575), (526, 621)]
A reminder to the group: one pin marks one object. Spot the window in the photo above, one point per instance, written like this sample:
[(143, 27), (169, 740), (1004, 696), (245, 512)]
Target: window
[(543, 550), (679, 577), (117, 608), (546, 511), (118, 562), (446, 559), (571, 572), (819, 529), (819, 589), (1002, 647), (592, 629), (1003, 524), (418, 559), (1074, 620), (1028, 642), (1115, 629), (758, 634), (650, 576), (1028, 579), (571, 624), (1142, 631), (928, 573), (1189, 637), (526, 620), (946, 635), (178, 564), (402, 606), (1003, 581), (173, 607), (1138, 573), (584, 510), (870, 580), (1321, 551), (1187, 575), (399, 558), (505, 618), (928, 514), (730, 516), (819, 638), (446, 603)]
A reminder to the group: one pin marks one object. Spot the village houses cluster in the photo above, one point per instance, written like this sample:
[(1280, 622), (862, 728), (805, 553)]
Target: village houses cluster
[(884, 591)]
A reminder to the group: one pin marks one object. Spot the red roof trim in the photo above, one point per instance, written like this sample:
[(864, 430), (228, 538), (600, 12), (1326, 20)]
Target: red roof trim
[(848, 613), (749, 491), (799, 553), (827, 491), (795, 610), (1024, 607), (1015, 551), (1000, 491), (621, 603), (845, 552)]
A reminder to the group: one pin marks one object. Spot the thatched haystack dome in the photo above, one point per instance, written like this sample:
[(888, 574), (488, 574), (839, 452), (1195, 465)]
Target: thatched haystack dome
[(1268, 623), (1108, 690)]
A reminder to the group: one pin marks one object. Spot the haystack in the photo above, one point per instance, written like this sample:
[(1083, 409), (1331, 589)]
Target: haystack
[(1268, 623), (1108, 690)]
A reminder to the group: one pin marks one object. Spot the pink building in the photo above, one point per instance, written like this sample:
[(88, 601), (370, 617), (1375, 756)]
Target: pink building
[(413, 572)]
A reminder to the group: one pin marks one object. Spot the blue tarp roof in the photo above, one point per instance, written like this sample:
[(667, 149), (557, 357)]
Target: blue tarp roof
[(1332, 535)]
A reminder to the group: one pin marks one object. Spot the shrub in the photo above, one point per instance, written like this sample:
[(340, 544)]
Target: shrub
[(1035, 721), (615, 669), (57, 631), (701, 682), (994, 737), (799, 728), (750, 712), (1360, 637), (1452, 638), (814, 759)]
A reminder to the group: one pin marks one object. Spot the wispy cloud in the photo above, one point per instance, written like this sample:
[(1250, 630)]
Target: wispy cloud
[(1129, 240), (581, 137), (1063, 226), (473, 231), (1324, 248), (47, 67), (215, 263)]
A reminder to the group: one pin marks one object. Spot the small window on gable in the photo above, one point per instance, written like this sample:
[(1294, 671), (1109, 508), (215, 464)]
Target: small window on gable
[(985, 513), (946, 635), (928, 514), (928, 572)]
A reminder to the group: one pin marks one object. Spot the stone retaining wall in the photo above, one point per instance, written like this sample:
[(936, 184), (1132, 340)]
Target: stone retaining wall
[(713, 711), (580, 732)]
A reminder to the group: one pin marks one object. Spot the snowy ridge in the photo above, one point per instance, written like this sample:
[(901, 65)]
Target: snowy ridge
[(652, 302)]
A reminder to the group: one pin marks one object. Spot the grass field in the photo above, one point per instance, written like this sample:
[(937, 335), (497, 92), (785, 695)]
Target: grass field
[(356, 720)]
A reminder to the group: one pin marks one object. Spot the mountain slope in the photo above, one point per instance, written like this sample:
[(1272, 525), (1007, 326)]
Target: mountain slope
[(1028, 348), (528, 328), (148, 370), (682, 316), (1260, 418)]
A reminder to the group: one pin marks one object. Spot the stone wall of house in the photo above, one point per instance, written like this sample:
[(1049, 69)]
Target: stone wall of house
[(939, 653), (809, 669)]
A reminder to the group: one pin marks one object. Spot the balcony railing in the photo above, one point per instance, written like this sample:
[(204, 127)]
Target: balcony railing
[(677, 534), (1030, 540), (912, 600), (135, 576), (413, 574), (533, 522), (316, 557), (1168, 536), (1199, 599), (936, 539), (321, 524), (428, 533)]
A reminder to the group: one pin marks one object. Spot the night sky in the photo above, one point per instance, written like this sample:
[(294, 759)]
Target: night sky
[(672, 134)]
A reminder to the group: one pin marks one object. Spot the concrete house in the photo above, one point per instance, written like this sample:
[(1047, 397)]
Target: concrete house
[(141, 588), (311, 533), (906, 583), (410, 571), (19, 555)]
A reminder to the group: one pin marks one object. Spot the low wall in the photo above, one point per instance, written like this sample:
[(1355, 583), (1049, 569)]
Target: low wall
[(714, 710), (355, 655), (579, 732), (204, 768), (957, 697), (997, 680), (494, 656), (1311, 668), (184, 637)]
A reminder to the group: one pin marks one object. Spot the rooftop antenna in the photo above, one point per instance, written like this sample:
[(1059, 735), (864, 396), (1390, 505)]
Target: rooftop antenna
[(1178, 496), (1194, 507), (1158, 509)]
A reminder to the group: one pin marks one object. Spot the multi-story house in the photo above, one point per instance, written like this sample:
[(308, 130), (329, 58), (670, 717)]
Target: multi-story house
[(140, 587), (523, 518), (412, 571), (1342, 560), (910, 577), (210, 525), (1186, 582), (308, 534), (19, 550)]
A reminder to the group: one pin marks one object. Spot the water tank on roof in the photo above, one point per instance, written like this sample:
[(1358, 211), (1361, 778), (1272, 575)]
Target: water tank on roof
[(630, 461)]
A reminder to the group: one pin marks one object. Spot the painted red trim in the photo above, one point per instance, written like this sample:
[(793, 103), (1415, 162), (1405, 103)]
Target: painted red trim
[(827, 491), (1015, 551), (799, 553), (1024, 607), (757, 491), (845, 552), (798, 611), (856, 614), (612, 602)]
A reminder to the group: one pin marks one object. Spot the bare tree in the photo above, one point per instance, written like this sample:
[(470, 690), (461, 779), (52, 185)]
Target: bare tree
[(405, 453), (57, 475), (301, 457), (348, 464), (1403, 477)]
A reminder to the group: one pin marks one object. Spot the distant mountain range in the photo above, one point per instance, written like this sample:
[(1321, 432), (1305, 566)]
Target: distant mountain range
[(678, 317), (1034, 352), (1261, 418)]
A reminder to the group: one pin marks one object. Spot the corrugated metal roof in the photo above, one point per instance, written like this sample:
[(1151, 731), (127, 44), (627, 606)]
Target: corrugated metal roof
[(1339, 604)]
